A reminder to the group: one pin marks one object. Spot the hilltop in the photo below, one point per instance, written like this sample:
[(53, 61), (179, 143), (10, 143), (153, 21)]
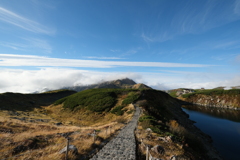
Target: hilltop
[(120, 83)]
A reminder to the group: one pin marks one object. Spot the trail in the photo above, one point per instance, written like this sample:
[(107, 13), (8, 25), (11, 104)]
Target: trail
[(123, 146)]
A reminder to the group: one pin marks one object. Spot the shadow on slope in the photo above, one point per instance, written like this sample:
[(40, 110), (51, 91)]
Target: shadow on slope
[(23, 102)]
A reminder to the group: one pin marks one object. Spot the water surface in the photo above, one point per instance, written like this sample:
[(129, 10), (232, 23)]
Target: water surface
[(223, 125)]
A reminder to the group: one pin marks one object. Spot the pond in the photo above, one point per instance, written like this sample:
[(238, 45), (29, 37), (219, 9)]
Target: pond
[(223, 125)]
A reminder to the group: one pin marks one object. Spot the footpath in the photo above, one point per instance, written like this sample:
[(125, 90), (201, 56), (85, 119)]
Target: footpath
[(123, 146)]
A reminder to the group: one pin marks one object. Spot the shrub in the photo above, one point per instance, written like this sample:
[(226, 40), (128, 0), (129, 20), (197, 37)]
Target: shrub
[(131, 98), (130, 112), (173, 94), (96, 100), (118, 110), (146, 117)]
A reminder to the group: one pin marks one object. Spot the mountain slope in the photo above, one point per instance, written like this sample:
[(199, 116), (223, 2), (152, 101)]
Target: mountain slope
[(120, 83), (18, 101)]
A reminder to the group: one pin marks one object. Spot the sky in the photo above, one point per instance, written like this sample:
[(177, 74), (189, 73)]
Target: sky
[(165, 44)]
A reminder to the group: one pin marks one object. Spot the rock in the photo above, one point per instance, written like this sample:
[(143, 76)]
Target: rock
[(173, 158), (158, 149), (148, 130), (165, 139), (70, 147), (58, 124), (169, 138)]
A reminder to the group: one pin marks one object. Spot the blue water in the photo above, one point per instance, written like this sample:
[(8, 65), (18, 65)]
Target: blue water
[(222, 125)]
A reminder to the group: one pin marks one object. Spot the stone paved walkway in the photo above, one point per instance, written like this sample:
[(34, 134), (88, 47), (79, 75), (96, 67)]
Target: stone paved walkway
[(123, 146)]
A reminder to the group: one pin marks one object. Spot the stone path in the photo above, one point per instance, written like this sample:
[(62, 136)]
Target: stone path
[(123, 146)]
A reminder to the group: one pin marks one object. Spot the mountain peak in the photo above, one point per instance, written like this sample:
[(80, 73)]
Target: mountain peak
[(119, 83)]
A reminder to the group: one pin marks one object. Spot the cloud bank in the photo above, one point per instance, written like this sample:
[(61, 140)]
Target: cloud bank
[(29, 81)]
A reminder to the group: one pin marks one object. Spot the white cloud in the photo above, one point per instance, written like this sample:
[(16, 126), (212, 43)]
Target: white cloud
[(22, 22), (31, 60), (27, 81)]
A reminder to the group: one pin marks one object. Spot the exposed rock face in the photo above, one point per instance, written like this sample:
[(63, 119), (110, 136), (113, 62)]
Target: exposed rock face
[(221, 101)]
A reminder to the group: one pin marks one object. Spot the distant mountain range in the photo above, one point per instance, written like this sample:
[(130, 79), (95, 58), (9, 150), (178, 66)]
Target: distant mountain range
[(120, 83)]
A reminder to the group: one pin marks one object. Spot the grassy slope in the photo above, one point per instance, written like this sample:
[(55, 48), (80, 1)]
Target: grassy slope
[(25, 135), (94, 106), (17, 101)]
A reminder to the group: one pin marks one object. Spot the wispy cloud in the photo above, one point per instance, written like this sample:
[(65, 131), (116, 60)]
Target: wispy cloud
[(227, 45), (237, 7), (15, 46), (31, 60), (22, 22), (114, 50), (131, 51), (190, 18), (147, 38), (30, 43), (39, 43), (238, 58), (93, 57)]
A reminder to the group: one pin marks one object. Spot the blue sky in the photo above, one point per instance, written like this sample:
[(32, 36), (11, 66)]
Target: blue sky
[(165, 44)]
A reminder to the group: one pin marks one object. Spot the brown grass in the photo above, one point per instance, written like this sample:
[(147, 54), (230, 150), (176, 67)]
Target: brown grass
[(52, 142), (45, 135)]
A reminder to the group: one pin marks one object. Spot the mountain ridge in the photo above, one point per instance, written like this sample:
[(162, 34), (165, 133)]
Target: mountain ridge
[(125, 83)]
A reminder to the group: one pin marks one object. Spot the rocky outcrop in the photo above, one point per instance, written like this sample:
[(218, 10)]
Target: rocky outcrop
[(220, 101)]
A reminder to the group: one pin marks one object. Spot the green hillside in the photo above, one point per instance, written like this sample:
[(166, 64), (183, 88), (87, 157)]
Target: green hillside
[(98, 100)]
